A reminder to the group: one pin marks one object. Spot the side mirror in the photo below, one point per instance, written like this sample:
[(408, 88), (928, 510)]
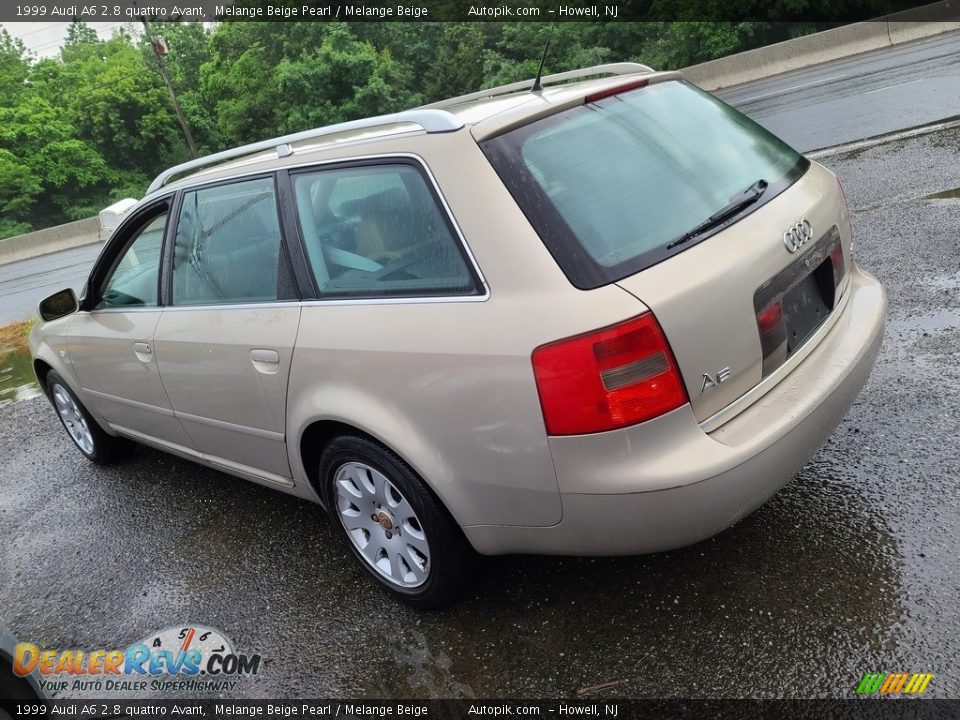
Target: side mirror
[(58, 305)]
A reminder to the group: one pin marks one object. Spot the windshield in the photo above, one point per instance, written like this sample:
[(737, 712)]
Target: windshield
[(611, 185)]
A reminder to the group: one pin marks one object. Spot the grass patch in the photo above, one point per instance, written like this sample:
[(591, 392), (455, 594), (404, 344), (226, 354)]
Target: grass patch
[(13, 337)]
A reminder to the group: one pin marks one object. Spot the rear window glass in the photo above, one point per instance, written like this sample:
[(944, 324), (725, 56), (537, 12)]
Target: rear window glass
[(611, 184)]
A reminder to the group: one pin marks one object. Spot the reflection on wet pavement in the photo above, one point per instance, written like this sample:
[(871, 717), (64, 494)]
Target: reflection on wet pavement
[(17, 381), (953, 194)]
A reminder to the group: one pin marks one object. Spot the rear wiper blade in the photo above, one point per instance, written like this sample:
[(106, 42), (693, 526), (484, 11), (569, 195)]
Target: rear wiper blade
[(738, 203)]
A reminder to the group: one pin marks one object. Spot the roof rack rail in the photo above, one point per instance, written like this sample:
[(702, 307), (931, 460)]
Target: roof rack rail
[(432, 121), (624, 68)]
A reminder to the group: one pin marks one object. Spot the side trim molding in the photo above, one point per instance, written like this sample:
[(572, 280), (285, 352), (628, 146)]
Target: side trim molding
[(130, 403), (218, 463), (232, 427)]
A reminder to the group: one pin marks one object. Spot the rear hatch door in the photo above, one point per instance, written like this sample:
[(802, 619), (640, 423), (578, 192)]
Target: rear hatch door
[(727, 234), (736, 306)]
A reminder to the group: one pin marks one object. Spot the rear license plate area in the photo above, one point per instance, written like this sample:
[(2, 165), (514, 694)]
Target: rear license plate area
[(806, 306), (792, 304)]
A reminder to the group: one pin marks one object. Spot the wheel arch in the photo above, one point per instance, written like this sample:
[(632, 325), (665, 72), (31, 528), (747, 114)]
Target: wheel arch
[(314, 440), (41, 368), (47, 359), (317, 435)]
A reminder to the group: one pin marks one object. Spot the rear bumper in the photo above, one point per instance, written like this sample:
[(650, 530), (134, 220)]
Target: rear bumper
[(666, 483)]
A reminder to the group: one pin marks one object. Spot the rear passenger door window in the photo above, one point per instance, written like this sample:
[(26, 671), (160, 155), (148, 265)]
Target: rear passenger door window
[(379, 231), (228, 246)]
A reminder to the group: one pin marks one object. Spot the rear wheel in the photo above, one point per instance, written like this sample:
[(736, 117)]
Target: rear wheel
[(86, 434), (392, 523)]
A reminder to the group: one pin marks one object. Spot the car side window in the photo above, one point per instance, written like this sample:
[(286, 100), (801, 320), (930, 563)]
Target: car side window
[(134, 280), (378, 231), (228, 246)]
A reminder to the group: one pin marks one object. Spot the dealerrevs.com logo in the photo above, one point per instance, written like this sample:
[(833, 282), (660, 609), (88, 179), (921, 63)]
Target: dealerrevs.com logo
[(187, 658), (894, 683)]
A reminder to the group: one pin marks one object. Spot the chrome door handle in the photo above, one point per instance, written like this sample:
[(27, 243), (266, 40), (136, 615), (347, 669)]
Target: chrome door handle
[(143, 351), (265, 361)]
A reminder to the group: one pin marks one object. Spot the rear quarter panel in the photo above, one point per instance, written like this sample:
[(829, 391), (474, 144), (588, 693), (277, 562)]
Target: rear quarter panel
[(449, 386)]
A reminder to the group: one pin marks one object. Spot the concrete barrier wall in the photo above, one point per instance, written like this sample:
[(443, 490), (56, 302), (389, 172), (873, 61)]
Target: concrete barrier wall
[(841, 42), (49, 240)]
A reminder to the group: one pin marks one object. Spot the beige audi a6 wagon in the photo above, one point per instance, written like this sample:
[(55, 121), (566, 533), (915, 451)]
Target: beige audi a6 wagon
[(610, 316)]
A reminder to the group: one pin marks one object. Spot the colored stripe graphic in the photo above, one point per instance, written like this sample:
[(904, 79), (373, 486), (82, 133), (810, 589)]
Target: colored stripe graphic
[(894, 683), (919, 683), (870, 684)]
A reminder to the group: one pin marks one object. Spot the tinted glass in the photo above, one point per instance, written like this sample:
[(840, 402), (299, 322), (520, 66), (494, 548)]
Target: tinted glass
[(228, 245), (135, 279), (378, 231), (610, 184)]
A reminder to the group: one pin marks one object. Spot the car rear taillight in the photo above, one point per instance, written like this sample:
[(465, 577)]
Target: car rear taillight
[(773, 335), (770, 318), (836, 261), (607, 379), (836, 257)]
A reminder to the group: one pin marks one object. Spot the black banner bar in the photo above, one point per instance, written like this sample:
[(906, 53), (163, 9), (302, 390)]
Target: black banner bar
[(864, 708), (819, 11)]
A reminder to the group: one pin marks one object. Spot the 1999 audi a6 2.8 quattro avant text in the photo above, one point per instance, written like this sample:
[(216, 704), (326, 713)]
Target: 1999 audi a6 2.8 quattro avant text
[(609, 316)]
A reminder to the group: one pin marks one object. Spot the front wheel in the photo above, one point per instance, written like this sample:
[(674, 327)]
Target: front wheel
[(86, 434), (392, 523)]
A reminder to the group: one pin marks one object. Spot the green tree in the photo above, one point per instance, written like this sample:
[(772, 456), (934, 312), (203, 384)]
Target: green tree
[(340, 80), (14, 68), (237, 84), (517, 53), (458, 65), (19, 189), (115, 101), (54, 170)]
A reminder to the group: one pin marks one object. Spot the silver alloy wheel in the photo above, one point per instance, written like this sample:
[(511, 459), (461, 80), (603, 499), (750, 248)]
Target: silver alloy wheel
[(73, 418), (382, 525)]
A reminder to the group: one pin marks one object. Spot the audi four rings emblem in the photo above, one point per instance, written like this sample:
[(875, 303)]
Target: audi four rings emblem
[(795, 237)]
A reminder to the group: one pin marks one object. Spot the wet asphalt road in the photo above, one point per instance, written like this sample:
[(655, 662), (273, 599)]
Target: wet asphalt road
[(24, 283), (862, 96), (852, 568)]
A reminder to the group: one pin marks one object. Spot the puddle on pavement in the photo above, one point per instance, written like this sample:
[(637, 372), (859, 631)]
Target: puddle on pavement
[(953, 194), (16, 375), (927, 322), (945, 282)]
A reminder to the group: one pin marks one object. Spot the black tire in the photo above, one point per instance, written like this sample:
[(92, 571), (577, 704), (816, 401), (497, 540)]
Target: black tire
[(102, 448), (452, 561)]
